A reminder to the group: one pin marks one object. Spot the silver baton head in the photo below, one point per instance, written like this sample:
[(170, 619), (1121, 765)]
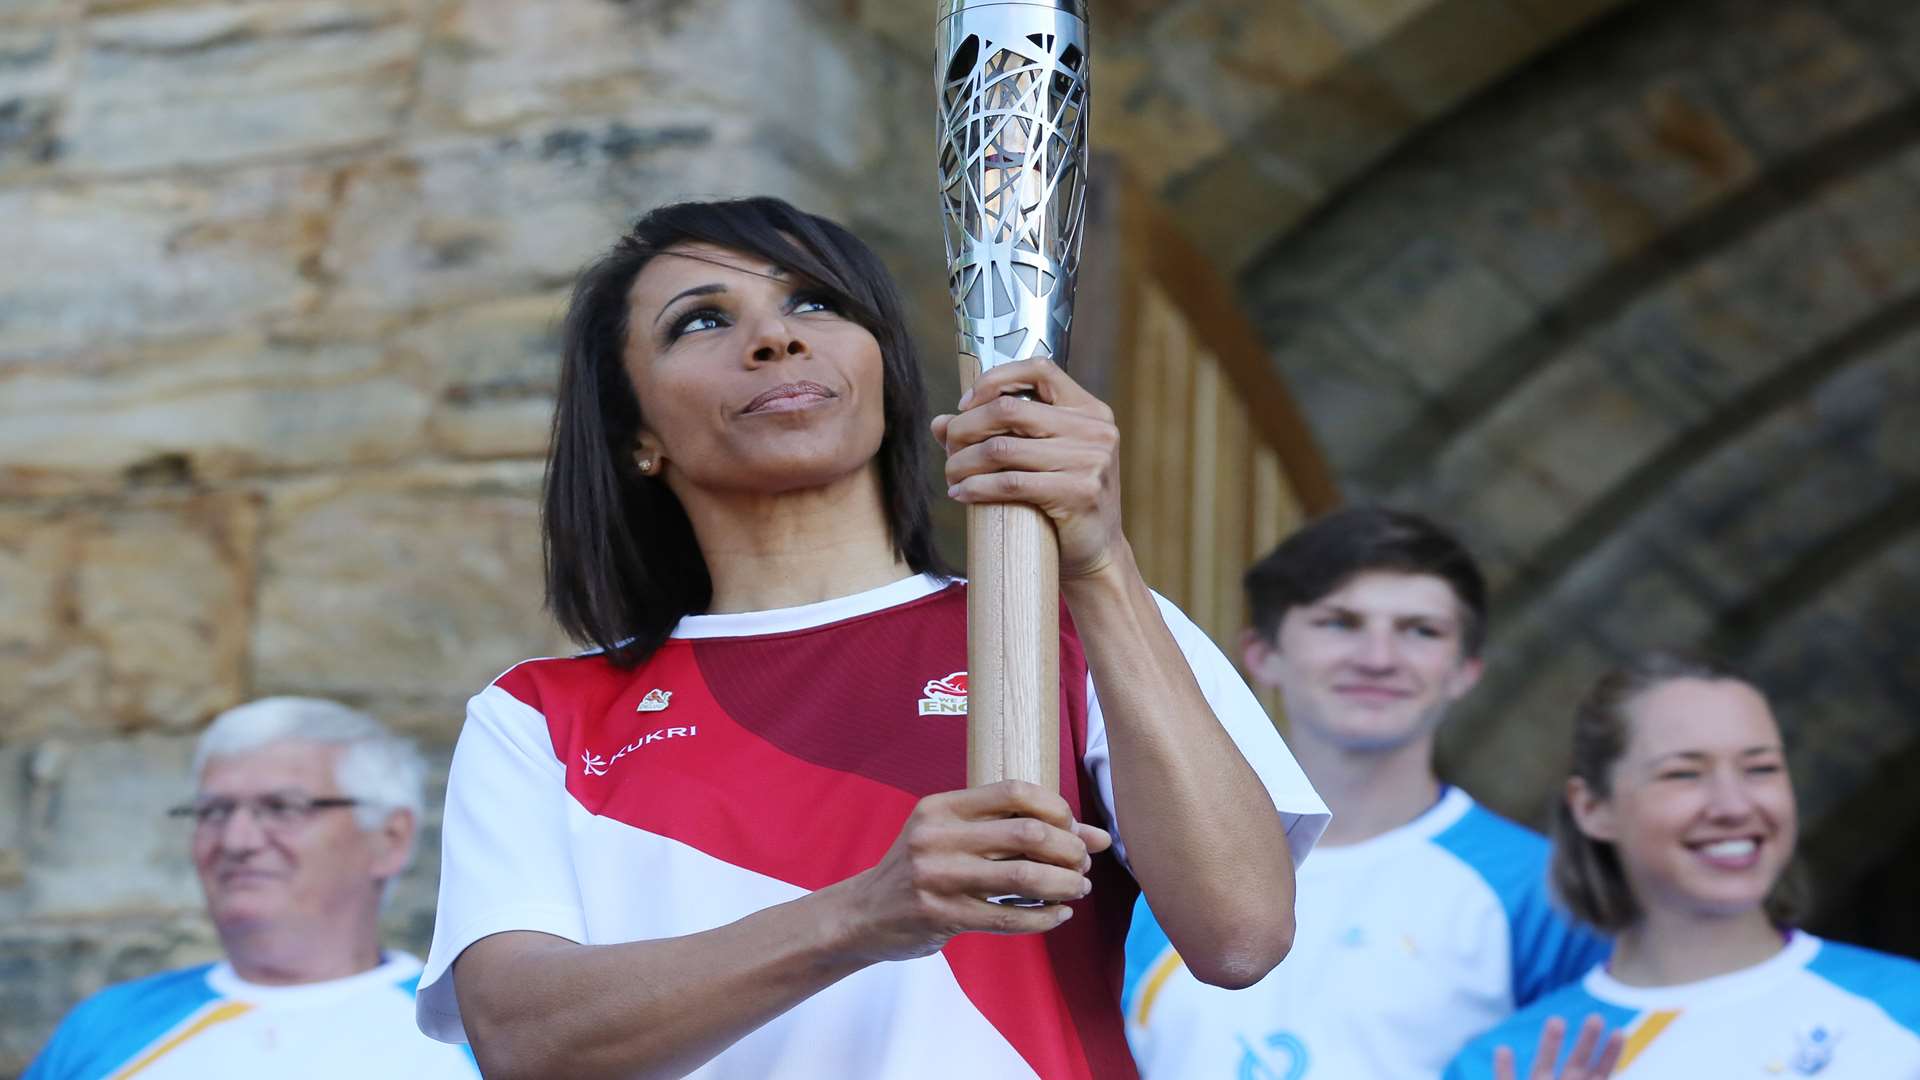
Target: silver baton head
[(1013, 171)]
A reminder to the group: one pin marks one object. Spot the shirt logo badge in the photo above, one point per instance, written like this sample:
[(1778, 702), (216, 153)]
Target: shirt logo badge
[(655, 701), (945, 697), (1814, 1049)]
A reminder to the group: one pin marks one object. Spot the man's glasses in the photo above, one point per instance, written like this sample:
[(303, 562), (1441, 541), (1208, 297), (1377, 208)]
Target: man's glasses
[(274, 810)]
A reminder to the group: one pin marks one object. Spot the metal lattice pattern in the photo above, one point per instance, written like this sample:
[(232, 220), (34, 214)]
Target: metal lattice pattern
[(1013, 114)]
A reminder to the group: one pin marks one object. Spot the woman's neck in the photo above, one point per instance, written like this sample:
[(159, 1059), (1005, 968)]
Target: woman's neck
[(775, 551), (1671, 948)]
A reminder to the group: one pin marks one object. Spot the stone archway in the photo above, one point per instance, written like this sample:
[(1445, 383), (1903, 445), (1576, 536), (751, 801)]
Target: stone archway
[(1643, 321)]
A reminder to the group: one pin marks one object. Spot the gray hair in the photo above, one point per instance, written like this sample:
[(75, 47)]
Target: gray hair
[(382, 770)]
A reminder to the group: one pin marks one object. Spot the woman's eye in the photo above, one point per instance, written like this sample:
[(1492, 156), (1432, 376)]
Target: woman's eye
[(1680, 774), (697, 320), (813, 302)]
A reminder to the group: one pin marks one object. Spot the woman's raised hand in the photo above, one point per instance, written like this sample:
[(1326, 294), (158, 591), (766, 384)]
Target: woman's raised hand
[(1058, 451), (1591, 1058), (960, 847)]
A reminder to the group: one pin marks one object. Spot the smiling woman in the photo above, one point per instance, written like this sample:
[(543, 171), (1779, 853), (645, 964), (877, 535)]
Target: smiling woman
[(1676, 834), (783, 873)]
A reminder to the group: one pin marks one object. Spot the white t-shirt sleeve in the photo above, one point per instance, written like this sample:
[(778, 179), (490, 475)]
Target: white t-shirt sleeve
[(1246, 722), (504, 852)]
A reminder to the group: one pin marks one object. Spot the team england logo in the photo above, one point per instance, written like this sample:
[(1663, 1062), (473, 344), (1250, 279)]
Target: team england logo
[(945, 697)]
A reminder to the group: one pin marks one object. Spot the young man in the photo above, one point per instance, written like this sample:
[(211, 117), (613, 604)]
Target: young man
[(305, 810), (1423, 919)]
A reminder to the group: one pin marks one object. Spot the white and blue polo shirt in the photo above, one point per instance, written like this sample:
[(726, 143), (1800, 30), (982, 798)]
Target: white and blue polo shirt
[(1815, 1008), (1407, 945), (207, 1023)]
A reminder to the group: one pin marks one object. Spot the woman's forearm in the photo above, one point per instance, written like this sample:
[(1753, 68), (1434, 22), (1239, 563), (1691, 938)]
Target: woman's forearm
[(535, 1005), (1202, 835)]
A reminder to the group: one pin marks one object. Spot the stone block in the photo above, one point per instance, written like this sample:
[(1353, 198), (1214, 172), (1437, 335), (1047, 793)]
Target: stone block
[(1445, 52), (497, 365), (1357, 400), (1759, 503), (418, 585), (1578, 427), (1794, 75), (33, 560), (1237, 59), (138, 619), (1363, 22), (1238, 203), (1337, 126), (491, 64), (1159, 132), (35, 67), (200, 84), (105, 846), (1741, 317), (1876, 216), (463, 219), (91, 265), (1891, 29), (164, 590), (1436, 309), (1557, 17), (59, 688), (1502, 506), (210, 410)]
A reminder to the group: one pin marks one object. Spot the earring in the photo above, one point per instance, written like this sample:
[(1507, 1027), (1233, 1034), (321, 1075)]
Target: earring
[(646, 466)]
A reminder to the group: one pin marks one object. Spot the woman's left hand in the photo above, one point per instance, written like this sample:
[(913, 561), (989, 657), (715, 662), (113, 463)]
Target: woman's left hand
[(1059, 452)]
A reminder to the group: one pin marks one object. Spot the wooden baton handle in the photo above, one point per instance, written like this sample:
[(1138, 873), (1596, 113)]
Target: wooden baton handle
[(1013, 641)]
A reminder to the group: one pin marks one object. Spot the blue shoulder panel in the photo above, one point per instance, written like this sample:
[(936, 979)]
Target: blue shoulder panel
[(1146, 942), (105, 1031), (1891, 982), (1549, 950), (1521, 1031)]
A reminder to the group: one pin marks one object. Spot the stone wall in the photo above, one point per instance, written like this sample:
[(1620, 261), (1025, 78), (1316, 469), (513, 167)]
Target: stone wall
[(278, 286)]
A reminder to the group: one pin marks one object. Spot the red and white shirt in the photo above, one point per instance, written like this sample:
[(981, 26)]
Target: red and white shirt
[(759, 756)]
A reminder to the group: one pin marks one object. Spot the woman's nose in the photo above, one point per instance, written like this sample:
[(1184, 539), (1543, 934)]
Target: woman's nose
[(1728, 797), (774, 339)]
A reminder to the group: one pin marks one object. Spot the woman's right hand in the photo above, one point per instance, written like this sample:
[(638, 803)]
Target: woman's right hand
[(955, 850), (1582, 1064)]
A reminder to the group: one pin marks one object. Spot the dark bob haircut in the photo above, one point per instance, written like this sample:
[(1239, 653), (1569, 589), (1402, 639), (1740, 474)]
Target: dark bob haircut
[(1321, 556), (622, 562), (1587, 877)]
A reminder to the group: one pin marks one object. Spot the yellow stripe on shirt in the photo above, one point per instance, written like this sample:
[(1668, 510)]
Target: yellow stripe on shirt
[(1643, 1036), (218, 1015), (1157, 978)]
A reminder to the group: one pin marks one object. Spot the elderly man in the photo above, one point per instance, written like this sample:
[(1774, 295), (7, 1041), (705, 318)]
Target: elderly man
[(306, 812)]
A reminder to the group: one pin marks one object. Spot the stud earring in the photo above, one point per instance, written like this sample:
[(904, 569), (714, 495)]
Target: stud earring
[(646, 466)]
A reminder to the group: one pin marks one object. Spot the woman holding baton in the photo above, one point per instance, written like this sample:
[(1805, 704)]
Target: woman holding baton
[(736, 840)]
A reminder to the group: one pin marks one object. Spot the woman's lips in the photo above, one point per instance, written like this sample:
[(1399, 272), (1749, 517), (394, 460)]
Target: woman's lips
[(789, 397), (1741, 853)]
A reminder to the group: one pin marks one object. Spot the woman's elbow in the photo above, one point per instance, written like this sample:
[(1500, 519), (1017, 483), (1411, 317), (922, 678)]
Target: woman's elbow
[(1251, 949)]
